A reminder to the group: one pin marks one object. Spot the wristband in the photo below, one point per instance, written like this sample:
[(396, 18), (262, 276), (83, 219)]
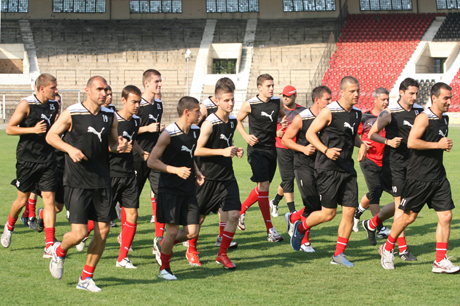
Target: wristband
[(325, 151)]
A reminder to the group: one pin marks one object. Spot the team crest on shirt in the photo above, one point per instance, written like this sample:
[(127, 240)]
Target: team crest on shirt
[(68, 214), (158, 106), (17, 183), (105, 118), (416, 112), (405, 122), (395, 189), (348, 125), (232, 125), (194, 135), (222, 136), (264, 114), (52, 107), (93, 130), (184, 148)]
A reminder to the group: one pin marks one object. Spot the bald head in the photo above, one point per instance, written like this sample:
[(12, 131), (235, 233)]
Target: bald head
[(348, 80), (94, 78)]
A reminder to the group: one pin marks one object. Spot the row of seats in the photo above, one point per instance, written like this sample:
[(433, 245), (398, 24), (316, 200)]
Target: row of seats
[(424, 91), (450, 29), (455, 105)]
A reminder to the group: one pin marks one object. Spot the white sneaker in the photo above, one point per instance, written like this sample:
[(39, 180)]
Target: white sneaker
[(119, 242), (118, 209), (356, 224), (273, 209), (387, 258), (88, 284), (157, 246), (152, 220), (233, 244), (290, 226), (185, 243), (82, 245), (241, 224), (48, 253), (125, 263), (56, 263), (274, 236), (307, 248), (383, 233), (445, 266), (167, 274), (6, 237)]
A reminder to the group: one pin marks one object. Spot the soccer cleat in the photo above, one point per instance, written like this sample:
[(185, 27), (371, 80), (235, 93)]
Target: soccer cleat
[(273, 209), (113, 224), (233, 244), (444, 266), (118, 209), (119, 242), (241, 224), (25, 221), (81, 246), (383, 233), (125, 263), (307, 248), (407, 256), (193, 258), (56, 263), (290, 226), (355, 224), (387, 258), (88, 284), (152, 220), (370, 233), (40, 222), (48, 253), (225, 261), (6, 237), (297, 236), (342, 260), (274, 236), (167, 274), (157, 246), (33, 223)]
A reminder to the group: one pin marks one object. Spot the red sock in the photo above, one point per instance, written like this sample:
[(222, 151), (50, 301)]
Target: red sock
[(402, 245), (123, 217), (227, 238), (127, 237), (374, 222), (303, 228), (26, 211), (306, 238), (60, 252), (221, 228), (154, 206), (90, 226), (264, 206), (192, 244), (87, 272), (165, 259), (252, 198), (49, 236), (390, 244), (11, 223), (441, 250), (341, 246), (296, 215), (31, 203), (159, 229), (41, 214)]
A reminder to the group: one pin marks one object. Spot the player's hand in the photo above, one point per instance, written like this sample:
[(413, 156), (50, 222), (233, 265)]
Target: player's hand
[(239, 152), (40, 127), (153, 127), (76, 155), (146, 155), (395, 142), (229, 151), (123, 145), (445, 144), (163, 126), (368, 144), (199, 178), (251, 140), (333, 153), (183, 172), (309, 150), (362, 152), (279, 133), (284, 122), (129, 147)]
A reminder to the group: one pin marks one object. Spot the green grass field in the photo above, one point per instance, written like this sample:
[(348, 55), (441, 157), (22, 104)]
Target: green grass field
[(266, 274)]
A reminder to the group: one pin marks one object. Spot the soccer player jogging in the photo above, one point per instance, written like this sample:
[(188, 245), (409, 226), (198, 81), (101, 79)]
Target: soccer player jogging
[(177, 203), (335, 174), (220, 189), (36, 162), (397, 120), (376, 171), (124, 183), (304, 161), (263, 112), (91, 130), (284, 155), (426, 180)]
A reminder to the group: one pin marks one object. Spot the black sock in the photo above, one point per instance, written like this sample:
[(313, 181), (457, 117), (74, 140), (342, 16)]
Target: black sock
[(379, 227), (277, 199), (291, 206)]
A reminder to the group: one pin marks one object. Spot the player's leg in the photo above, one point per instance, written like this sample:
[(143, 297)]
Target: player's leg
[(129, 228), (154, 179), (49, 218), (192, 253), (227, 238), (16, 207), (278, 197), (345, 228), (30, 209)]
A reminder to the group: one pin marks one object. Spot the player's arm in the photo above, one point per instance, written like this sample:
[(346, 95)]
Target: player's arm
[(416, 142), (204, 113), (151, 128), (362, 147), (291, 133), (382, 121), (320, 122), (245, 110), (281, 113), (22, 111), (53, 137), (137, 148), (118, 144), (199, 176), (201, 150), (154, 161)]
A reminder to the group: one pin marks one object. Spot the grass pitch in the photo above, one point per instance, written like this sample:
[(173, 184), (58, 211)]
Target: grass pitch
[(266, 274)]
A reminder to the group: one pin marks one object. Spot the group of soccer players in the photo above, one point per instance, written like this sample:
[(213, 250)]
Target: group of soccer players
[(110, 154)]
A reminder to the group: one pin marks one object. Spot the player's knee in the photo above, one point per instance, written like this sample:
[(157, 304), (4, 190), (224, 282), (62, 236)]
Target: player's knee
[(328, 215), (233, 216), (445, 217)]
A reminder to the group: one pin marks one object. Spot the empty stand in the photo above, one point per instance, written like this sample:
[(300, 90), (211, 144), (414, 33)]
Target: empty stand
[(455, 105), (450, 28), (424, 91)]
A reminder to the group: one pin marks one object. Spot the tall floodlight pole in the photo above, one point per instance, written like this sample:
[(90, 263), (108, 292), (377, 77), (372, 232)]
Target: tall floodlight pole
[(187, 58)]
